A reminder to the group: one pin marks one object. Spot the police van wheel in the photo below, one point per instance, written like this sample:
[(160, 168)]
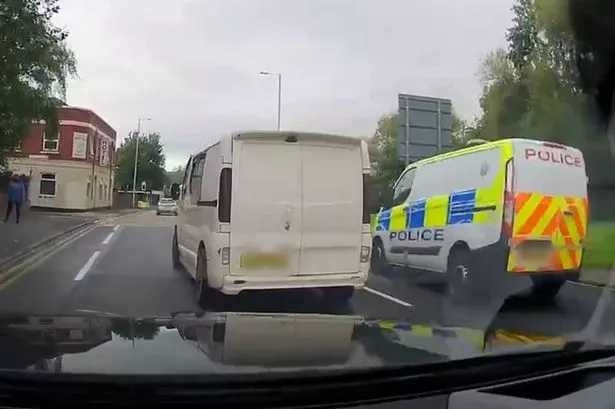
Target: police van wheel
[(546, 291), (460, 280), (379, 263), (175, 251)]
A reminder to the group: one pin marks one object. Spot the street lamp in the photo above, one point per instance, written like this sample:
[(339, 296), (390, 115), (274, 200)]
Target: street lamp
[(134, 175), (273, 74)]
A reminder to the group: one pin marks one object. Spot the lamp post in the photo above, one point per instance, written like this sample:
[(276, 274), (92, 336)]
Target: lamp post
[(279, 76), (134, 175)]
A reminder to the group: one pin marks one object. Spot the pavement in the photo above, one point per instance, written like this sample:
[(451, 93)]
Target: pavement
[(36, 226), (123, 266)]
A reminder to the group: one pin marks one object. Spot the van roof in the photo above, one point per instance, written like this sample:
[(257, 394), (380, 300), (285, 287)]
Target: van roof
[(303, 134), (472, 149), (254, 134)]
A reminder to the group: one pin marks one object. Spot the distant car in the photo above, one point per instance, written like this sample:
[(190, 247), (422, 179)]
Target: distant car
[(166, 206)]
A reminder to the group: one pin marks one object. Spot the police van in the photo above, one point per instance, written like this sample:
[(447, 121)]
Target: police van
[(487, 216), (275, 210)]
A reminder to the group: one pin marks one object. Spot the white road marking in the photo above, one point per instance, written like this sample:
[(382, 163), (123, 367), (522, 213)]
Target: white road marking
[(117, 226), (388, 297), (87, 266), (581, 284), (108, 238)]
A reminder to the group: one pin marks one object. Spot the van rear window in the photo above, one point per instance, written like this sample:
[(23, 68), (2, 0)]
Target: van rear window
[(550, 171)]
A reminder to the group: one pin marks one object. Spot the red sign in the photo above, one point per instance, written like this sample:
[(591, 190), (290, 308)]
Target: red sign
[(553, 156)]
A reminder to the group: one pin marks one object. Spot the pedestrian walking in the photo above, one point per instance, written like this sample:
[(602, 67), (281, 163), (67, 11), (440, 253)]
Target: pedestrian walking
[(16, 197)]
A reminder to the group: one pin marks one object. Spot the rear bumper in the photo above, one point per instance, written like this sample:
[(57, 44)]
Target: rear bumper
[(233, 284), (166, 211)]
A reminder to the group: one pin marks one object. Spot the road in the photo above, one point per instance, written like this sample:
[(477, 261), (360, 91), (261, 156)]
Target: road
[(124, 267)]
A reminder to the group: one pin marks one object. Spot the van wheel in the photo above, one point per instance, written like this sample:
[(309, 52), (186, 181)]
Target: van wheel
[(460, 278), (175, 251), (338, 295), (546, 290), (205, 295), (379, 263)]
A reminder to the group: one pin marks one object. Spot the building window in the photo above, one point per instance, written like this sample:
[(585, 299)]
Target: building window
[(51, 144), (48, 184)]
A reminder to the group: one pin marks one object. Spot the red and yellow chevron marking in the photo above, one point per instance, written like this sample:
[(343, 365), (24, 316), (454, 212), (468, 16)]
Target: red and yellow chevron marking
[(558, 219)]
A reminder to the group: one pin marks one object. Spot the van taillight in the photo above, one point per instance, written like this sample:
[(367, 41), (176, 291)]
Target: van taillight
[(367, 183), (224, 196), (509, 200)]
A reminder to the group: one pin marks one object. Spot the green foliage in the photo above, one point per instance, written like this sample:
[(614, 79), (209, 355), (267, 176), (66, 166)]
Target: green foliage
[(150, 163), (534, 90), (35, 65), (132, 329), (384, 156), (176, 175)]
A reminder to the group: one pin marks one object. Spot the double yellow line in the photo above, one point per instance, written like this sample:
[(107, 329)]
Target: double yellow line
[(37, 256)]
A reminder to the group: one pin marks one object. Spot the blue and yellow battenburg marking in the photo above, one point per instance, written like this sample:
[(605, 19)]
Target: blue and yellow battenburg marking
[(457, 208), (476, 336)]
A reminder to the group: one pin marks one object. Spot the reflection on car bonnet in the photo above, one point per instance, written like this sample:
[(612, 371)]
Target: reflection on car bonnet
[(481, 339)]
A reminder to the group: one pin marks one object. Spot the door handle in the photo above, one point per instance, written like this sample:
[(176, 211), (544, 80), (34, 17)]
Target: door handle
[(288, 218), (569, 213)]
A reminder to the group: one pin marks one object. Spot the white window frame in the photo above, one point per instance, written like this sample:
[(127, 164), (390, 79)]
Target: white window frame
[(57, 141), (54, 180)]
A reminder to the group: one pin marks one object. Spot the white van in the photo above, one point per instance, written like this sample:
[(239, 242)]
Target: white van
[(275, 210), (489, 216), (273, 340)]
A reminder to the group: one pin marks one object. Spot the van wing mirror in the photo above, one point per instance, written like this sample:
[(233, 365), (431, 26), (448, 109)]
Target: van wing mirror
[(175, 191)]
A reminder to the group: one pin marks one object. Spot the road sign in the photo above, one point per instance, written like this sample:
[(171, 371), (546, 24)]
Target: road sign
[(424, 127)]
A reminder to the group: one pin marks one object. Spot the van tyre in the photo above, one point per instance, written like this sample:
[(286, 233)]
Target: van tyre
[(545, 291), (175, 251), (379, 262), (338, 295), (460, 277), (205, 295)]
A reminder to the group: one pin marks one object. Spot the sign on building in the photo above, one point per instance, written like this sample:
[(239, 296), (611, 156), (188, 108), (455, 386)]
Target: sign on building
[(80, 142), (424, 127)]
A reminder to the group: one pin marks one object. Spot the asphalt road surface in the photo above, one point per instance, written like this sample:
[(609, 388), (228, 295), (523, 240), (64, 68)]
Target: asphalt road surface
[(124, 267)]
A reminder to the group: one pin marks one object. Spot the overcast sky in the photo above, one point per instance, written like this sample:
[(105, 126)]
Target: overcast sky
[(193, 65)]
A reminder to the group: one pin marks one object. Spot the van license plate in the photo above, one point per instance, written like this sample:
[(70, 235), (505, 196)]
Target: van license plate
[(530, 255), (263, 260)]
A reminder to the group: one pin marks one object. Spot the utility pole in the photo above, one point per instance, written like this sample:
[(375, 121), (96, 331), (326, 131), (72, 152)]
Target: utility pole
[(134, 175)]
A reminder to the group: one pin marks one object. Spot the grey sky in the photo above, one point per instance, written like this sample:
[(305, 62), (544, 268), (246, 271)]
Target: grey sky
[(192, 65)]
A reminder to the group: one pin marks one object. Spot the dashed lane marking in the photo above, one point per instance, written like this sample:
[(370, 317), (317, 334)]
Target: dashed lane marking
[(108, 238), (87, 266), (15, 273), (388, 297)]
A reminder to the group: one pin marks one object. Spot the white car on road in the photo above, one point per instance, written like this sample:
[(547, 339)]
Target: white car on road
[(166, 206)]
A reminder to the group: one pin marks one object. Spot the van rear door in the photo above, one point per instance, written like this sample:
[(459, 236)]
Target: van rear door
[(550, 217), (332, 205), (266, 215)]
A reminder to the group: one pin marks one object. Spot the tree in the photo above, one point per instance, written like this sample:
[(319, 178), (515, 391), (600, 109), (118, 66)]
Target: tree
[(35, 65), (384, 155), (534, 89), (150, 163), (176, 175), (131, 329)]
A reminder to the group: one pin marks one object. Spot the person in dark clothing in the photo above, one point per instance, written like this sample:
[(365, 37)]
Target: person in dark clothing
[(16, 196)]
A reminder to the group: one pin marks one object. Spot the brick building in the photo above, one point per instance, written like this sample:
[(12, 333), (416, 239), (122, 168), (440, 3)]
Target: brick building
[(72, 170)]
